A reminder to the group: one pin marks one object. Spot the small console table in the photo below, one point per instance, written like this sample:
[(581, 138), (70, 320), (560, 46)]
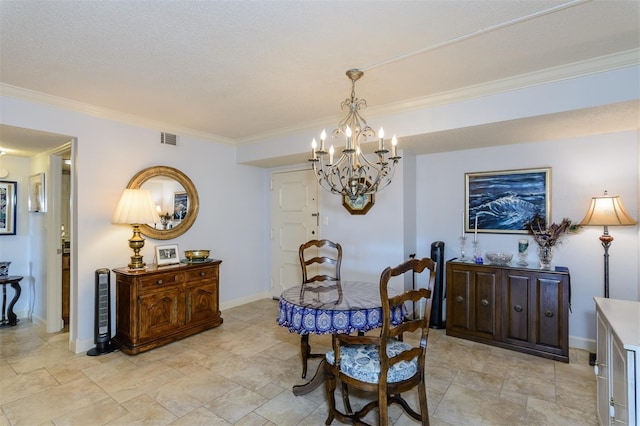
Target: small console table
[(8, 316), (518, 308)]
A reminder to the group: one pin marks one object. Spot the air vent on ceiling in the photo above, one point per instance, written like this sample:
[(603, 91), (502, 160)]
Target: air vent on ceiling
[(168, 139)]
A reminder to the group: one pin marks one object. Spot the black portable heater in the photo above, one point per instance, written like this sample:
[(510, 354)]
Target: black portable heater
[(102, 322), (437, 255)]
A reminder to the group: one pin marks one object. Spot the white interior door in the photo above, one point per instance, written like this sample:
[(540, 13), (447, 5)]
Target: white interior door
[(294, 220)]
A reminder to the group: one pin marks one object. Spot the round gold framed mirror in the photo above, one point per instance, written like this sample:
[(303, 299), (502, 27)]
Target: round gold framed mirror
[(176, 199)]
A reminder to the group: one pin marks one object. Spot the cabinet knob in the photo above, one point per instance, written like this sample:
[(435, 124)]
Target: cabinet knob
[(459, 299), (159, 282), (548, 313), (484, 302), (517, 308), (202, 273)]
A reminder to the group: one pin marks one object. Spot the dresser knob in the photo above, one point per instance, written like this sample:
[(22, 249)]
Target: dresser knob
[(459, 299), (517, 308), (159, 282), (484, 302), (202, 273), (548, 313)]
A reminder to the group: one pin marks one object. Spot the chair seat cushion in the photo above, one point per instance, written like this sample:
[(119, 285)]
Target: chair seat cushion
[(362, 362)]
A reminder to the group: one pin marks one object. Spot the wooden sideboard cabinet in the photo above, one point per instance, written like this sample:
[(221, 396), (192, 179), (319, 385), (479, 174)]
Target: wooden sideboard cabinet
[(617, 361), (516, 308), (160, 305)]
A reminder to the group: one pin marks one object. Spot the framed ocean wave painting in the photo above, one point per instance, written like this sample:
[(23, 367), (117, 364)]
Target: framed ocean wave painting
[(505, 201)]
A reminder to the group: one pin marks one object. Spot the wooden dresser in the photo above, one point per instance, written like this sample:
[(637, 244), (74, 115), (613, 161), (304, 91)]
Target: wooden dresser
[(523, 309), (160, 305)]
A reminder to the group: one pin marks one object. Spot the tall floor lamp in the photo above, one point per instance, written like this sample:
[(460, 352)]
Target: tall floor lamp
[(607, 210)]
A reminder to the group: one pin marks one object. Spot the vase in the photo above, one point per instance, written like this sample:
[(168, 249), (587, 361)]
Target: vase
[(545, 255)]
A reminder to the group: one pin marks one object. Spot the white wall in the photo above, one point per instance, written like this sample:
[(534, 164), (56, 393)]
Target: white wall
[(108, 154), (581, 168)]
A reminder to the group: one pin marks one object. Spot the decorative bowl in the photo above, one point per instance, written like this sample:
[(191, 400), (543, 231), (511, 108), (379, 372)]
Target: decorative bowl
[(196, 254), (498, 258)]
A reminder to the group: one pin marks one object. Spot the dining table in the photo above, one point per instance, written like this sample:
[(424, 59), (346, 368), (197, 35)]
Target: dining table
[(333, 307)]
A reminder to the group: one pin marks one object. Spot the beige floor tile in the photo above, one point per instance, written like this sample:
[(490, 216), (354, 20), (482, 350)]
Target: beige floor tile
[(190, 392), (25, 384), (242, 374), (99, 413), (235, 404), (252, 419), (286, 409), (540, 412), (53, 402), (201, 416)]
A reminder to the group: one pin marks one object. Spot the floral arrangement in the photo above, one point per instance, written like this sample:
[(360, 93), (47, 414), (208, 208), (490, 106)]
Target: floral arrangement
[(550, 236), (165, 218)]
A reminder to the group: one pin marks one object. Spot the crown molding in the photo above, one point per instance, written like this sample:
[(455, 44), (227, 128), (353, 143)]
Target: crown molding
[(577, 69), (549, 75), (105, 113)]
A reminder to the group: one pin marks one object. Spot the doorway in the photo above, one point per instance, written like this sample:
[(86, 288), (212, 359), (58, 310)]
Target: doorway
[(46, 153), (294, 220)]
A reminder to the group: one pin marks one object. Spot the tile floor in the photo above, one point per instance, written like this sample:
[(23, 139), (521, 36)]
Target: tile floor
[(242, 373)]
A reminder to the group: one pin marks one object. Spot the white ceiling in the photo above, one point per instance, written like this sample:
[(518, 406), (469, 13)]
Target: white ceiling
[(236, 71)]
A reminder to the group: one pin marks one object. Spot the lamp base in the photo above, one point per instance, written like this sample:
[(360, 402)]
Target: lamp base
[(136, 242), (136, 263)]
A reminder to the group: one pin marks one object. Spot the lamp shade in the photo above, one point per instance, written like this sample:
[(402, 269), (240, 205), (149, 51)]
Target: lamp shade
[(607, 210), (136, 206)]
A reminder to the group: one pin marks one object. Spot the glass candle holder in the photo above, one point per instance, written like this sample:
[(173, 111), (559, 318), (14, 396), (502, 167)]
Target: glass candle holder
[(523, 246), (477, 256), (463, 252)]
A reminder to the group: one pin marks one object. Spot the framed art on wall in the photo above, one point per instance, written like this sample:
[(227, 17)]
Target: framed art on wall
[(37, 200), (358, 205), (180, 205), (8, 207), (505, 201), (167, 255)]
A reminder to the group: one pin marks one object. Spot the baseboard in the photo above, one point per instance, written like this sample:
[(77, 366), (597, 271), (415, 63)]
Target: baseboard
[(582, 343), (244, 300)]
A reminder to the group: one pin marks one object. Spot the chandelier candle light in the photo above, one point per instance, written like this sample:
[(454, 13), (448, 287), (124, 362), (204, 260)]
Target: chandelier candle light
[(353, 175)]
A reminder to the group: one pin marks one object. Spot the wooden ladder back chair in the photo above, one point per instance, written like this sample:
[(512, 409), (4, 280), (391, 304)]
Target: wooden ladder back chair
[(395, 364), (320, 261), (327, 258)]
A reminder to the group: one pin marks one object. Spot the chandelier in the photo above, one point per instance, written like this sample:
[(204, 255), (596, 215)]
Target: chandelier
[(353, 174)]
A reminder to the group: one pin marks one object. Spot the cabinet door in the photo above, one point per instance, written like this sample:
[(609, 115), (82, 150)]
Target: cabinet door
[(202, 302), (619, 390), (484, 307), (160, 312), (471, 301), (516, 292), (458, 296), (602, 369), (550, 311)]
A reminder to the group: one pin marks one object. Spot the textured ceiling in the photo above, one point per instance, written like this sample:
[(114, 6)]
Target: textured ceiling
[(238, 70)]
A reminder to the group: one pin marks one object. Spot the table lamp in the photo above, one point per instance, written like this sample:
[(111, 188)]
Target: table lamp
[(607, 210), (136, 207)]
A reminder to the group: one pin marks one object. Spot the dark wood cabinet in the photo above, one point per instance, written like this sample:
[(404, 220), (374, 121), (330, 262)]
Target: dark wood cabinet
[(163, 304), (512, 307), (66, 287)]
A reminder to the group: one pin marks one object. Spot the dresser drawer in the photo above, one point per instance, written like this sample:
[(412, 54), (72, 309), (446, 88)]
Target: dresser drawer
[(162, 280), (202, 274)]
